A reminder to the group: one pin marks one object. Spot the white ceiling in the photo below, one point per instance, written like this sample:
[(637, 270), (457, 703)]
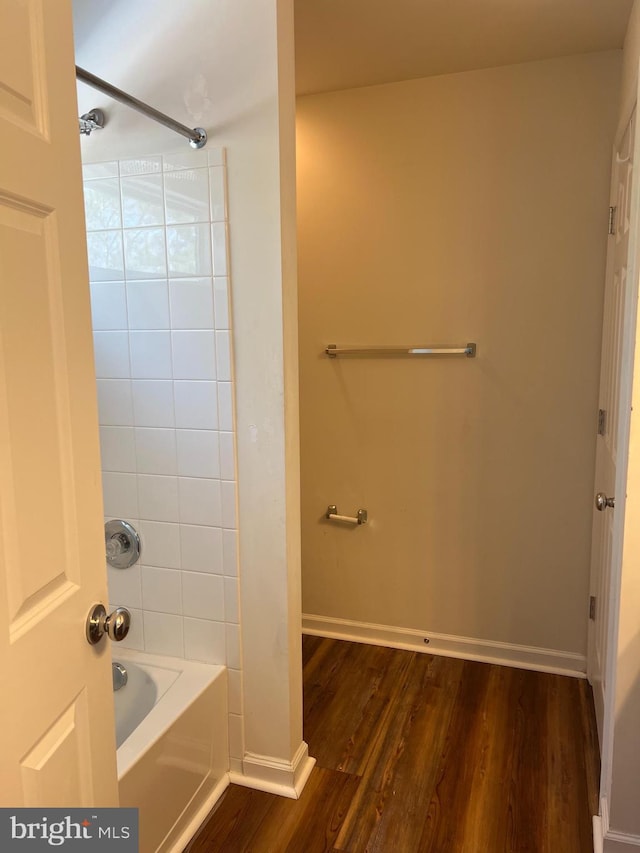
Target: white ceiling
[(341, 44)]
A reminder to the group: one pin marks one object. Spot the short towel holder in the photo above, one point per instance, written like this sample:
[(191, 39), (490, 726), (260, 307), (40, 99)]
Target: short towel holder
[(332, 515)]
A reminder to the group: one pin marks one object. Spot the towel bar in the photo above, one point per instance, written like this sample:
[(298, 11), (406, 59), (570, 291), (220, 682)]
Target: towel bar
[(332, 350), (332, 515)]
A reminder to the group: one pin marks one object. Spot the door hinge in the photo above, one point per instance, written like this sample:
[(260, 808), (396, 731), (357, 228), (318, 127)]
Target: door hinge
[(602, 421), (612, 220), (592, 607)]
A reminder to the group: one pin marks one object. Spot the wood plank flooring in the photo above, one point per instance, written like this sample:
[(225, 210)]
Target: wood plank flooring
[(424, 754)]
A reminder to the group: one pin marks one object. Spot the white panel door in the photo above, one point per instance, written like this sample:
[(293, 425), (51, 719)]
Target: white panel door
[(611, 452), (57, 744)]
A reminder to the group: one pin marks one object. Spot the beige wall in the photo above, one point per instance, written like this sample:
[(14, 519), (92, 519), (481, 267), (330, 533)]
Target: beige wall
[(463, 207), (630, 56)]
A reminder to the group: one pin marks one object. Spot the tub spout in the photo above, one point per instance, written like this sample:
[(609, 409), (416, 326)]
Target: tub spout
[(120, 676)]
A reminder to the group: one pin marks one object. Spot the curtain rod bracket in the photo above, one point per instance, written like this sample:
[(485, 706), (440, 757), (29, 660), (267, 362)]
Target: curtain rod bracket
[(201, 140), (93, 120)]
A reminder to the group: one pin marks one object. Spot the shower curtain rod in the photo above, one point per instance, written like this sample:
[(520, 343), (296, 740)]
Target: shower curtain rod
[(197, 136)]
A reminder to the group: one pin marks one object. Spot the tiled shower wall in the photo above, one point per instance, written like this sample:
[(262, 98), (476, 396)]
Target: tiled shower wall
[(157, 243)]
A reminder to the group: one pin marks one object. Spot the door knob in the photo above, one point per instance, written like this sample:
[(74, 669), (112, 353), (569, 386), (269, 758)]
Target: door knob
[(115, 625), (602, 502)]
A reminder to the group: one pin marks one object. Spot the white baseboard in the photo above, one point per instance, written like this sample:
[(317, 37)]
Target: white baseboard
[(265, 773), (610, 840), (487, 651), (620, 842)]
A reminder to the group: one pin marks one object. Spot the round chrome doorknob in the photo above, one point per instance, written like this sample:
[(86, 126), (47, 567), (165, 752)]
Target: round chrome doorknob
[(115, 625), (602, 502)]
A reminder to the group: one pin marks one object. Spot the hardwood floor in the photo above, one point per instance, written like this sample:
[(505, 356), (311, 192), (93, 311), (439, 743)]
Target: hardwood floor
[(424, 754)]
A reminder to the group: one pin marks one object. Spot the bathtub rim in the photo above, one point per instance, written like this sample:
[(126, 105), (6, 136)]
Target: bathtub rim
[(193, 679)]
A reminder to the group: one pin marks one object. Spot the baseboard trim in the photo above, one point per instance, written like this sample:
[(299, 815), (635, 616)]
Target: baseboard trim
[(486, 651), (610, 840), (285, 778)]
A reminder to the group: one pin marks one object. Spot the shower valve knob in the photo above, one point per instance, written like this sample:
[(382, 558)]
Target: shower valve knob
[(115, 625)]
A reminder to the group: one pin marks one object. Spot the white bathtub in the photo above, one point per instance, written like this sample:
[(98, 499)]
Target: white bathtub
[(173, 757)]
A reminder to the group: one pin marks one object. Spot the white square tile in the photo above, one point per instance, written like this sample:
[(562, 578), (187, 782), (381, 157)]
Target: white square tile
[(160, 544), (231, 612), (156, 451), (115, 402), (200, 501), (120, 495), (221, 303), (204, 641), (163, 634), (135, 637), (225, 406), (217, 156), (141, 166), (117, 449), (111, 352), (108, 306), (194, 355), (161, 590), (144, 252), (158, 498), (189, 250), (186, 195), (150, 355), (219, 248), (102, 204), (223, 356), (203, 596), (233, 646), (228, 496), (186, 159), (227, 456), (142, 201), (201, 549), (198, 453), (236, 736), (196, 405), (100, 170), (125, 588), (230, 552), (191, 302), (235, 691), (217, 182), (153, 402), (148, 304), (105, 255)]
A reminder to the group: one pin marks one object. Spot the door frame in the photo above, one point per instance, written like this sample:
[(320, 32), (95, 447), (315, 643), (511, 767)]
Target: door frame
[(628, 345)]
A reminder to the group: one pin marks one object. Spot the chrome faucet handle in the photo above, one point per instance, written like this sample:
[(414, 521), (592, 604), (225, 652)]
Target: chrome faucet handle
[(122, 543)]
